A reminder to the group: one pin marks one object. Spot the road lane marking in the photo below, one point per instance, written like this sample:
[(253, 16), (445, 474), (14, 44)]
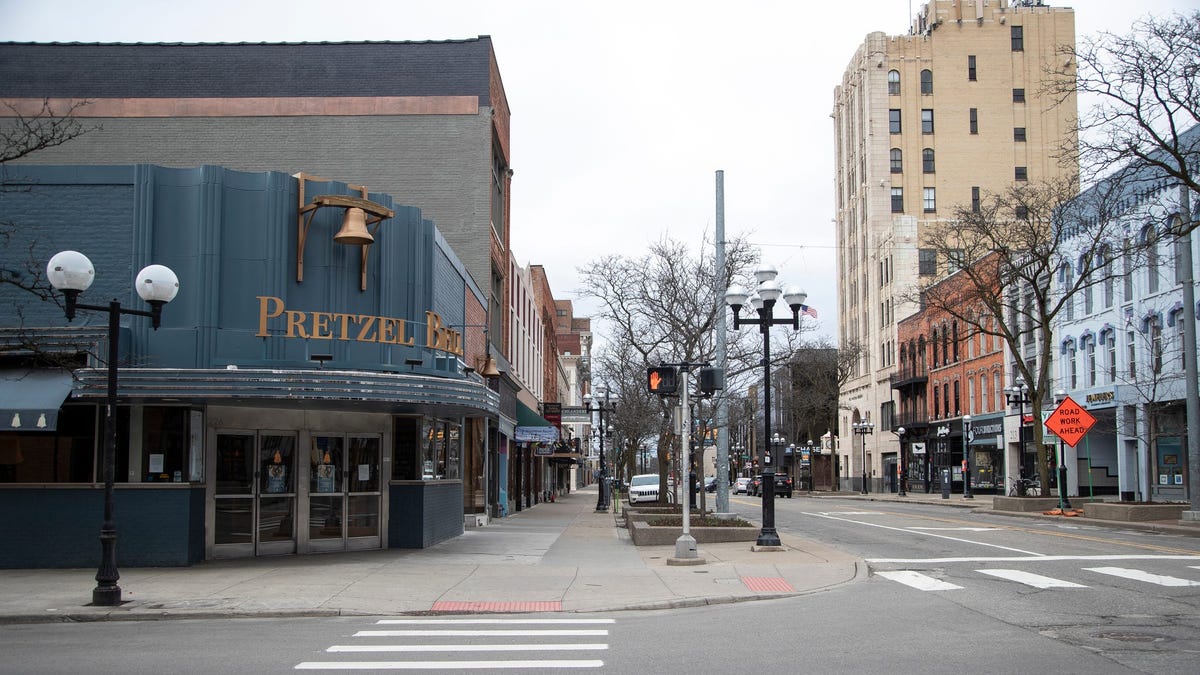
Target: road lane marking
[(930, 534), (444, 665), (958, 529), (1035, 558), (529, 647), (446, 622), (1138, 575), (480, 633), (1030, 579), (918, 581)]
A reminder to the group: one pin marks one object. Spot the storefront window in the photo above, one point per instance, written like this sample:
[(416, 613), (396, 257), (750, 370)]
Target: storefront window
[(67, 455), (442, 450), (164, 444), (407, 443)]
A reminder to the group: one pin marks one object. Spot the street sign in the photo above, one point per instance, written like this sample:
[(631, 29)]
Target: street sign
[(1070, 422)]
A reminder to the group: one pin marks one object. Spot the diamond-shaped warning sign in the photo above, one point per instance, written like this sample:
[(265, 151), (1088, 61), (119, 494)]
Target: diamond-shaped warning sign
[(1070, 422)]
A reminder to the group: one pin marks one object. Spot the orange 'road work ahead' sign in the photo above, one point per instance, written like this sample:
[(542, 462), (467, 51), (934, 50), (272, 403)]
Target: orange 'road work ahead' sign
[(1070, 422)]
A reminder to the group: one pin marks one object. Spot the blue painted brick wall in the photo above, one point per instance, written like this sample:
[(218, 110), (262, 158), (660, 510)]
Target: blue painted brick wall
[(61, 527)]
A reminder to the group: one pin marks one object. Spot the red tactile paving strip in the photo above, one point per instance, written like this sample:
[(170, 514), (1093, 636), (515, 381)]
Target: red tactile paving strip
[(445, 606), (767, 584)]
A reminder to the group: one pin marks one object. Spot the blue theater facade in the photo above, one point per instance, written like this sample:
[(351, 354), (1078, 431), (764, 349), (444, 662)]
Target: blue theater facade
[(300, 396)]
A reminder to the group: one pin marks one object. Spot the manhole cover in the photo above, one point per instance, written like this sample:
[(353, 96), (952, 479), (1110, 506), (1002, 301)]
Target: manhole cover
[(1125, 636)]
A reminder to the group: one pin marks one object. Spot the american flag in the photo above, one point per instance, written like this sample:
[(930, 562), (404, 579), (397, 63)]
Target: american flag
[(805, 309)]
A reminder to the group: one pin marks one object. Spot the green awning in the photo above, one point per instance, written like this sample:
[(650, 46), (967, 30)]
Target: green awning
[(529, 418), (532, 427)]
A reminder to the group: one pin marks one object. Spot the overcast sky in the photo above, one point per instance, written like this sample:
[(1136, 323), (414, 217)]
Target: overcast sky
[(622, 112)]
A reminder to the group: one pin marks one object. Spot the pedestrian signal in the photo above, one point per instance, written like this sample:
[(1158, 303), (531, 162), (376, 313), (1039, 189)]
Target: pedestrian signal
[(662, 380)]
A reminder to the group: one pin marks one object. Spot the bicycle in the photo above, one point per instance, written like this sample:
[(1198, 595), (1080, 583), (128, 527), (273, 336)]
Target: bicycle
[(1025, 487)]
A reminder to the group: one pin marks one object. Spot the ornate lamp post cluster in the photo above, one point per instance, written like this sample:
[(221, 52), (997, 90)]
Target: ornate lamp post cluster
[(72, 273), (601, 406), (1019, 394), (763, 301), (966, 462), (862, 429)]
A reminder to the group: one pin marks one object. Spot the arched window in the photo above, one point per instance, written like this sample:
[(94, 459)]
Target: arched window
[(897, 160), (1150, 240), (893, 82), (926, 81), (1088, 304), (1104, 263), (927, 160)]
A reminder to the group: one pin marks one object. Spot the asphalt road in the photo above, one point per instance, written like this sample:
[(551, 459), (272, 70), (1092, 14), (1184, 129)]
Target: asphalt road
[(950, 591)]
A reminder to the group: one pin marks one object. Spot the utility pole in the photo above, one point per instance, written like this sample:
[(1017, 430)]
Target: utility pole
[(722, 411)]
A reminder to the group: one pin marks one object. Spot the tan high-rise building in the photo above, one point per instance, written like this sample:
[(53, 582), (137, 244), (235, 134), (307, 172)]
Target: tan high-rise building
[(925, 122)]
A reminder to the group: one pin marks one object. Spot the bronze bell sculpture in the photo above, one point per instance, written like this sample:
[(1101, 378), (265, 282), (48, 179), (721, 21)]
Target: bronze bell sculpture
[(354, 228)]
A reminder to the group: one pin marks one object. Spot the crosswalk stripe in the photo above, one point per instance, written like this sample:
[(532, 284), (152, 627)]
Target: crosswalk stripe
[(918, 581), (1030, 579), (445, 665), (530, 647), (480, 633), (1138, 575)]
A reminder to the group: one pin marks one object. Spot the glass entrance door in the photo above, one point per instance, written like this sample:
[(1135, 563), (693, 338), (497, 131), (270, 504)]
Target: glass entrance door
[(255, 494), (344, 492)]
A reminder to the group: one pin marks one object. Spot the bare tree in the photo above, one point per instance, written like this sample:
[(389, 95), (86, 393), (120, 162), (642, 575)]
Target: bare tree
[(662, 308), (1146, 88), (1021, 259)]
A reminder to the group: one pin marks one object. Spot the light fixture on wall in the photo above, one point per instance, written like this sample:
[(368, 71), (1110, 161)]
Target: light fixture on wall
[(360, 214)]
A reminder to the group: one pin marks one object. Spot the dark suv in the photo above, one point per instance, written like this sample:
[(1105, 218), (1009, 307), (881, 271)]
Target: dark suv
[(783, 486)]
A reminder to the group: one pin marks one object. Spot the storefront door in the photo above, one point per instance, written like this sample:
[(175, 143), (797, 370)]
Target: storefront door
[(255, 494), (344, 492)]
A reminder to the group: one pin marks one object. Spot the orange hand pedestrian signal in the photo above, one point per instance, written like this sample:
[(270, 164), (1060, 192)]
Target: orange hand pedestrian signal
[(662, 380)]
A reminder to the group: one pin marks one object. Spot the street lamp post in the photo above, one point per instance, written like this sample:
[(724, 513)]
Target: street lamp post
[(811, 464), (763, 301), (966, 465), (602, 406), (1019, 394), (900, 476), (72, 273), (862, 429), (1064, 500)]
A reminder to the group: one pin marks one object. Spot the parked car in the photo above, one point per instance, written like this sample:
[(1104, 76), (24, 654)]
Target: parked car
[(741, 484), (710, 483), (783, 486), (754, 486), (644, 488)]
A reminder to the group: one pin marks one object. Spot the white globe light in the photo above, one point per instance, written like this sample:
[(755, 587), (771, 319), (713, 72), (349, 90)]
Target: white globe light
[(70, 271), (736, 296), (794, 296), (157, 283), (766, 272), (769, 290)]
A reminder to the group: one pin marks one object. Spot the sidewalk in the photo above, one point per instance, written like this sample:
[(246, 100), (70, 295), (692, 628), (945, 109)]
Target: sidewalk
[(560, 556)]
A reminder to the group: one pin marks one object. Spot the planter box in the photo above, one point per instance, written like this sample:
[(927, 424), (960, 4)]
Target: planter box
[(1024, 504), (1133, 512), (647, 535)]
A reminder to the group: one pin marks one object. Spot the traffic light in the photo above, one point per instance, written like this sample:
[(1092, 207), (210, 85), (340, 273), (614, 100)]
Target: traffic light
[(711, 379), (662, 380)]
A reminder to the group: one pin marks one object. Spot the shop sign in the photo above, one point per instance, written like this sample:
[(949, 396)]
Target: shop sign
[(316, 325), (1100, 398), (917, 448)]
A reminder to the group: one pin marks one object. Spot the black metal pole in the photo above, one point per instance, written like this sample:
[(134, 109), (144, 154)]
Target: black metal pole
[(768, 536), (900, 469), (967, 461), (602, 491), (107, 593), (863, 435)]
